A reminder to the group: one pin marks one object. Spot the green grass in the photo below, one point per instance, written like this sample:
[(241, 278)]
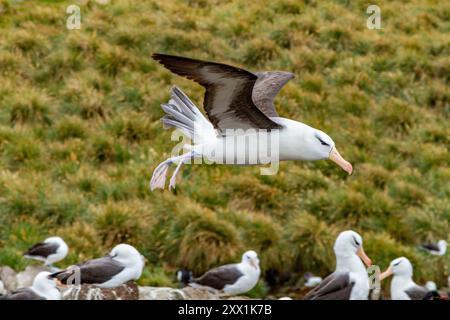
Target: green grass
[(80, 133)]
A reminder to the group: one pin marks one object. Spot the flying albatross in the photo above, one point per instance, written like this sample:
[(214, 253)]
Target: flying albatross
[(231, 279), (402, 286), (350, 280), (239, 104), (49, 251), (437, 248), (124, 263), (43, 288)]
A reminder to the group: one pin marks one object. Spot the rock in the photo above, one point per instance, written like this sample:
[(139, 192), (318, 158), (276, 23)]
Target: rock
[(26, 277), (127, 291), (8, 278), (155, 293), (200, 294), (186, 293)]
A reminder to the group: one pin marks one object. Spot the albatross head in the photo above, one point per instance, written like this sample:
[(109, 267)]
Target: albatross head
[(442, 244), (127, 255), (57, 240), (321, 146), (45, 286), (400, 266), (250, 257), (351, 242)]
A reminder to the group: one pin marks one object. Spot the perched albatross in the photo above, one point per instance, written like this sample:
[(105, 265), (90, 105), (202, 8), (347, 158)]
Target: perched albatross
[(232, 279), (402, 286), (43, 288), (437, 248), (239, 105), (350, 280), (184, 277), (124, 263), (49, 251)]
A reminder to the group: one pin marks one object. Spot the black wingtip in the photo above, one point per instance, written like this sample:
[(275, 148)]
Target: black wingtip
[(58, 275), (156, 56), (161, 56)]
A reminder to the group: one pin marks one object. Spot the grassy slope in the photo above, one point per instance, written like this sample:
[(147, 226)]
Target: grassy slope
[(80, 133)]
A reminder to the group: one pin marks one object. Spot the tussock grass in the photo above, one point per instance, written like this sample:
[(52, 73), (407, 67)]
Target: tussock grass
[(80, 133)]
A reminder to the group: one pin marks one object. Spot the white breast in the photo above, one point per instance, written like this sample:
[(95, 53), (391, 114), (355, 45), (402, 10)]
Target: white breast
[(398, 286), (245, 283), (361, 288)]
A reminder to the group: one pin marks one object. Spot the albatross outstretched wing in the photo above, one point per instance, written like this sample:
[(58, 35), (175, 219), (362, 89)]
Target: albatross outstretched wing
[(267, 87), (228, 98)]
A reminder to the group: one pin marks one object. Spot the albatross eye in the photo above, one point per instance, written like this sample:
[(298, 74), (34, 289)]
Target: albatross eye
[(322, 142), (356, 242), (396, 264)]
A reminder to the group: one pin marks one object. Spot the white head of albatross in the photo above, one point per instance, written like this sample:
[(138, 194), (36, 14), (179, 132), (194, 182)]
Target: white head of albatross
[(442, 245), (45, 286), (349, 251), (250, 258), (399, 267), (299, 141), (128, 256)]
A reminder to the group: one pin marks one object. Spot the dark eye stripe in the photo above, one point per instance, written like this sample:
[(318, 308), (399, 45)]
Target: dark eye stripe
[(323, 142), (356, 241), (396, 264)]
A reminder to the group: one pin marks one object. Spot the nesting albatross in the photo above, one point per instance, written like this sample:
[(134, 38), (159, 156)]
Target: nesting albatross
[(350, 280), (239, 104), (43, 288), (49, 251), (124, 263), (402, 286), (232, 279), (437, 248)]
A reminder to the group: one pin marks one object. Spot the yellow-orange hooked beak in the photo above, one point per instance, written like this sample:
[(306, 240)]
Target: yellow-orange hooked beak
[(341, 162), (254, 264), (364, 257), (386, 273)]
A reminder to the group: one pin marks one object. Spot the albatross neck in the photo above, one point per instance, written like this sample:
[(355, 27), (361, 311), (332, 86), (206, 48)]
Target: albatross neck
[(402, 281), (349, 263), (48, 292)]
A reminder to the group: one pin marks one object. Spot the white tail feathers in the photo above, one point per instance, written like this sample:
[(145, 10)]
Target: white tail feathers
[(182, 114)]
